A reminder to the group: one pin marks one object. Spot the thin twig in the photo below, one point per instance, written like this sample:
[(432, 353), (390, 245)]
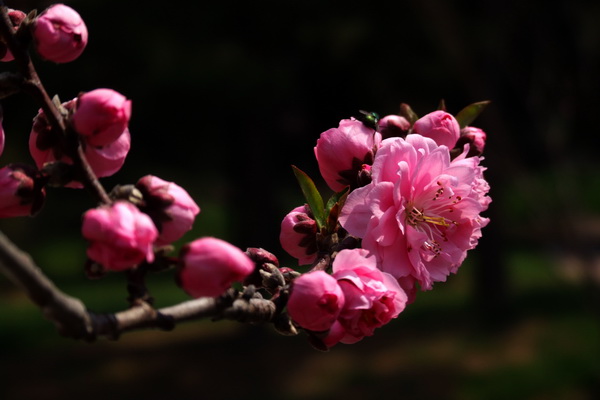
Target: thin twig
[(73, 319)]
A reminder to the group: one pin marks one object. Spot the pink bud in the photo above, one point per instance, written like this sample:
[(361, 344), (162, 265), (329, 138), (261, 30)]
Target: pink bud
[(16, 17), (2, 139), (440, 126), (19, 193), (476, 139), (298, 235), (393, 125), (342, 151), (45, 147), (170, 206), (101, 116), (120, 236), (315, 301), (209, 266), (60, 34), (107, 160)]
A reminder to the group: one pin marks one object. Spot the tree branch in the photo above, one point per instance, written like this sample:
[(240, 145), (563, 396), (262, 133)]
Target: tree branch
[(73, 320)]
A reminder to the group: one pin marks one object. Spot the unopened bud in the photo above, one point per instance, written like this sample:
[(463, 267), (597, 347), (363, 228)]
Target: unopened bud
[(476, 139), (60, 34), (16, 17), (393, 125), (21, 192)]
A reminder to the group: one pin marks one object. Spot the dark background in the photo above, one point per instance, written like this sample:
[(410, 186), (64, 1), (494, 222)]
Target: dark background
[(226, 95)]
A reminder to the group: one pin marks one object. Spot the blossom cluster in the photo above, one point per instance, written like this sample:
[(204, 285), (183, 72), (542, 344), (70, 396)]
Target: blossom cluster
[(415, 194), (409, 193)]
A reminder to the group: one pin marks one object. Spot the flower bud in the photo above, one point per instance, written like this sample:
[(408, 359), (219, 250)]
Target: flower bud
[(475, 137), (20, 193), (2, 138), (298, 235), (120, 236), (45, 146), (315, 301), (342, 151), (170, 207), (209, 266), (393, 125), (101, 116), (60, 34), (440, 126), (16, 17)]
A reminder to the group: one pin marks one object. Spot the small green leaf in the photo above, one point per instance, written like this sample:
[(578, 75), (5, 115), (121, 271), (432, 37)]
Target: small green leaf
[(408, 113), (442, 105), (334, 206), (312, 196), (336, 197), (470, 112)]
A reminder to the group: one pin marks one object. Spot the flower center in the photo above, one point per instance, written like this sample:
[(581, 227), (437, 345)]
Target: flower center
[(415, 216)]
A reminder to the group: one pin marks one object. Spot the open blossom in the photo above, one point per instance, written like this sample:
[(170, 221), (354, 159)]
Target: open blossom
[(120, 236), (170, 206), (19, 193), (60, 34), (440, 126), (298, 235), (372, 297), (421, 212), (209, 266), (101, 115), (315, 301), (341, 152)]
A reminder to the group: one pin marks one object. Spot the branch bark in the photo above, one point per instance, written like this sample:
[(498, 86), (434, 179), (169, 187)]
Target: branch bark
[(73, 320)]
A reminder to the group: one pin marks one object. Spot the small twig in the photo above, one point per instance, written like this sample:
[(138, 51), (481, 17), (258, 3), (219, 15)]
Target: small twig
[(73, 319)]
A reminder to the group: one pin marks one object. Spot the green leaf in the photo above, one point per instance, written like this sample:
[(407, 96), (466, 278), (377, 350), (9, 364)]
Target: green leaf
[(336, 197), (442, 105), (470, 112), (312, 196), (334, 206), (408, 113)]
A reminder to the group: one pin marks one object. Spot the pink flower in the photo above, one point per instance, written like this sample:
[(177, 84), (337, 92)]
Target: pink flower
[(107, 160), (2, 138), (420, 214), (46, 147), (60, 34), (341, 152), (393, 125), (101, 116), (170, 207), (315, 301), (373, 298), (209, 266), (475, 137), (16, 17), (20, 194), (120, 236), (440, 126), (298, 235)]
